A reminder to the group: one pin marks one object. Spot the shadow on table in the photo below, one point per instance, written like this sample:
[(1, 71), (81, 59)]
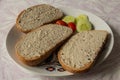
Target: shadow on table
[(110, 65)]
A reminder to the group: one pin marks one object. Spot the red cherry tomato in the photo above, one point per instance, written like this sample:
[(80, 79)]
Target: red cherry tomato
[(60, 22), (72, 26)]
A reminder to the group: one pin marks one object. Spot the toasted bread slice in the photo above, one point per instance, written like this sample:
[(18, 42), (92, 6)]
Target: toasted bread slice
[(81, 50), (35, 16), (39, 44)]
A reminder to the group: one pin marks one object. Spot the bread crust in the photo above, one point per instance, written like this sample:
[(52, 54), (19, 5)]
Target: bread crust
[(17, 23), (22, 12), (86, 66), (70, 69), (35, 61)]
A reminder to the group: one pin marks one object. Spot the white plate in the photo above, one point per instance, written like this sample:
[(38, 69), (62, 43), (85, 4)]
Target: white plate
[(56, 69)]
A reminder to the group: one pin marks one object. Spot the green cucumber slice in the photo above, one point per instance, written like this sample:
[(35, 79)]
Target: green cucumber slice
[(82, 17), (68, 19), (83, 25)]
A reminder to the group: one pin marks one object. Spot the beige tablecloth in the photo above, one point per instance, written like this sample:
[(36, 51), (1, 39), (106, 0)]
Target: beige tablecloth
[(109, 10)]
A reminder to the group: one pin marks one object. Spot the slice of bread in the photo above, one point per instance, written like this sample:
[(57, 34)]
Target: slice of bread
[(81, 50), (38, 15), (39, 44)]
